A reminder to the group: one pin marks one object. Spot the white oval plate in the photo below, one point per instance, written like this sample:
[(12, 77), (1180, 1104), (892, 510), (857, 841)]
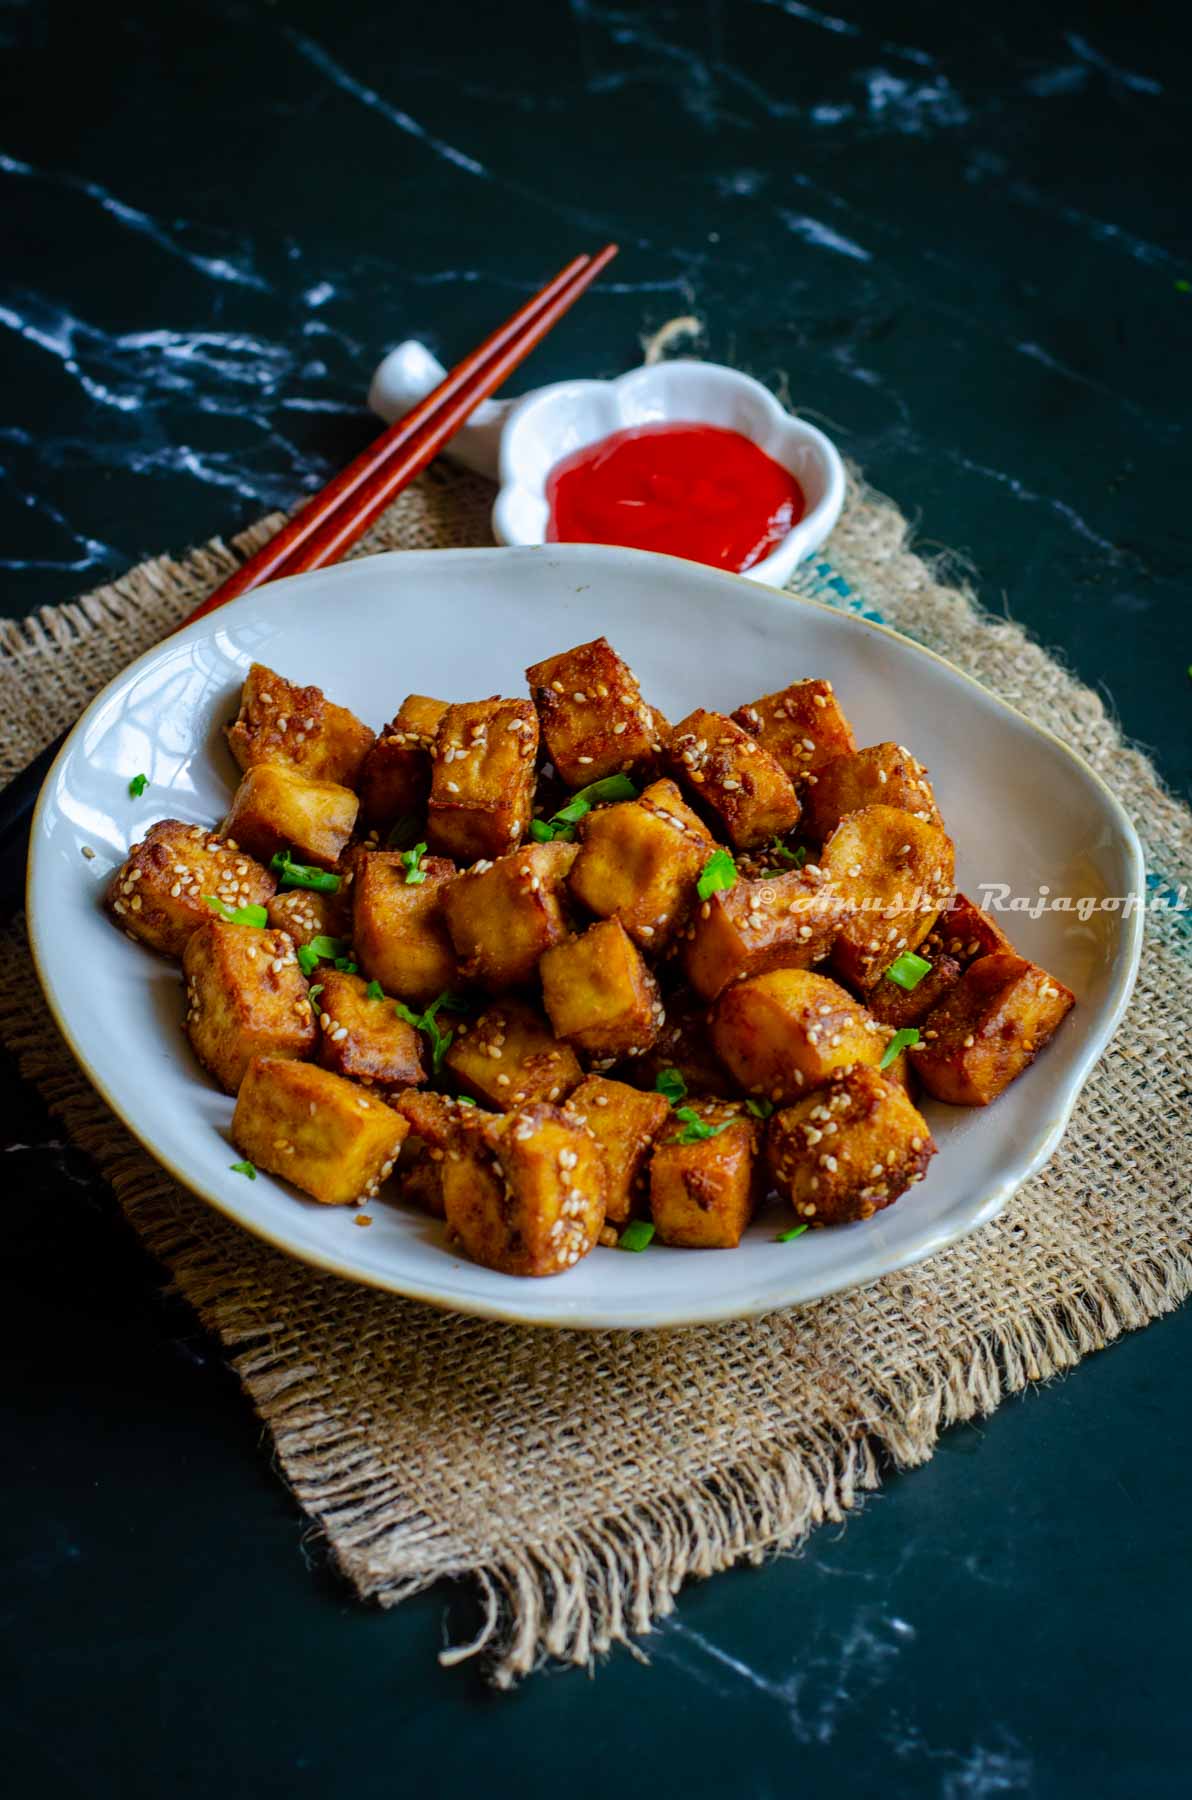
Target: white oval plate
[(464, 624)]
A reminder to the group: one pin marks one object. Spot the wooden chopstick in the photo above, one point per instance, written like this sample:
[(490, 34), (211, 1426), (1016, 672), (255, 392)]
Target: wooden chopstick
[(342, 511)]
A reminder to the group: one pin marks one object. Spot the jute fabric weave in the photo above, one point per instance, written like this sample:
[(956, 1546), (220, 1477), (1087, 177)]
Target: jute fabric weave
[(580, 1479)]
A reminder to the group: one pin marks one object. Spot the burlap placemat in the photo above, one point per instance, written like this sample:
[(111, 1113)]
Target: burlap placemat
[(580, 1479)]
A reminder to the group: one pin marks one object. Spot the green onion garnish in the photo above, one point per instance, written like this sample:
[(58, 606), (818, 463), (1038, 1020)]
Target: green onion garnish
[(412, 864), (671, 1085), (761, 1109), (465, 1100), (902, 1040), (784, 1237), (695, 1129), (312, 995), (375, 991), (426, 1022), (137, 786), (301, 875), (324, 949), (564, 822), (345, 965), (240, 915), (908, 970), (308, 959), (636, 1235), (244, 1168), (720, 871), (793, 859)]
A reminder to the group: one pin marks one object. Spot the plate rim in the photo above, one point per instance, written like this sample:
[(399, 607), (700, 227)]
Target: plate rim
[(581, 1316)]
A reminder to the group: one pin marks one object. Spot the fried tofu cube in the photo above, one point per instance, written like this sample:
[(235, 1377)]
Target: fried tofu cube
[(509, 1057), (245, 997), (992, 1025), (158, 894), (881, 775), (900, 1007), (684, 1043), (895, 873), (304, 915), (316, 1129), (748, 791), (362, 1038), (599, 994), (783, 1033), (702, 1193), (434, 1121), (502, 915), (849, 1150), (639, 862), (965, 931), (395, 775), (593, 718), (526, 1195), (801, 726), (399, 929), (482, 778), (298, 727), (625, 1123), (275, 809), (786, 922)]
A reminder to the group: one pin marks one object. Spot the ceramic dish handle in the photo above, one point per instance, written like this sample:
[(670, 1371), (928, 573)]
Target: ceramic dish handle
[(407, 375)]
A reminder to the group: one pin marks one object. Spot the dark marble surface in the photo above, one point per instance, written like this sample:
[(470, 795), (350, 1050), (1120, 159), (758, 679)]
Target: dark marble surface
[(961, 242)]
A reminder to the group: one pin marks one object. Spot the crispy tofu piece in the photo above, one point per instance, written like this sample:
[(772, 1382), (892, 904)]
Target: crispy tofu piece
[(594, 720), (625, 1123), (992, 1025), (275, 809), (363, 1039), (482, 778), (509, 1057), (747, 790), (316, 1129), (395, 775), (639, 862), (881, 775), (434, 1121), (502, 915), (783, 1033), (599, 994), (801, 726), (702, 1194), (399, 929), (786, 922), (895, 873), (525, 1194), (245, 997), (302, 914), (297, 727), (900, 1007), (684, 1042), (849, 1150), (964, 931), (157, 895)]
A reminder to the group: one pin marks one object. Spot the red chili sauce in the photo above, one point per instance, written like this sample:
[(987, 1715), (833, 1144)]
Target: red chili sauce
[(690, 490)]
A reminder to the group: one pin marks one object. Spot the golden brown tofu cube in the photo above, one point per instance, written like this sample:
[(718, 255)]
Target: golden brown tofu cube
[(275, 809), (702, 1192), (434, 1121), (639, 862), (900, 1007), (747, 790), (298, 727), (399, 930), (786, 922), (849, 1150), (362, 1038), (783, 1033), (895, 874), (965, 931), (801, 726), (395, 776), (158, 894), (684, 1042), (509, 1056), (245, 997), (316, 1129), (502, 915), (303, 915), (992, 1025), (624, 1123), (599, 993), (594, 720), (881, 775), (525, 1193), (482, 778)]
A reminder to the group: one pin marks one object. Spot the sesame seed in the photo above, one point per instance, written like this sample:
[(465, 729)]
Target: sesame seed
[(452, 787)]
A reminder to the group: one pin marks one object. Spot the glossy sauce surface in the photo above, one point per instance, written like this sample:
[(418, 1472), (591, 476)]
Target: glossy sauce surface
[(690, 490)]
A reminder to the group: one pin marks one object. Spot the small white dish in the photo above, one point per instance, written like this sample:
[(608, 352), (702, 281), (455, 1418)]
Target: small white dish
[(1023, 809), (550, 424)]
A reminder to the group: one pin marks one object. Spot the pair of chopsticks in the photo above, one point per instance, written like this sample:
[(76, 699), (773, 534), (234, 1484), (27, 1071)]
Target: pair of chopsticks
[(332, 520)]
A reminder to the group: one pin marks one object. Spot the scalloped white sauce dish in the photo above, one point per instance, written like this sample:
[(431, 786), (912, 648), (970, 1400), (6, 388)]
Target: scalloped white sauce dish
[(464, 624)]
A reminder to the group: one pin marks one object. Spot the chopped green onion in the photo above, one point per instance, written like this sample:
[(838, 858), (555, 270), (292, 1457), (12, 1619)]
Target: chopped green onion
[(902, 1040), (562, 825), (404, 832), (695, 1129), (793, 859), (784, 1237), (465, 1100), (328, 947), (720, 871), (301, 875), (636, 1235), (137, 786), (375, 991), (308, 959), (345, 965), (412, 864), (244, 1168), (312, 995), (240, 915), (542, 833), (671, 1085), (761, 1109), (440, 1041), (908, 970)]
